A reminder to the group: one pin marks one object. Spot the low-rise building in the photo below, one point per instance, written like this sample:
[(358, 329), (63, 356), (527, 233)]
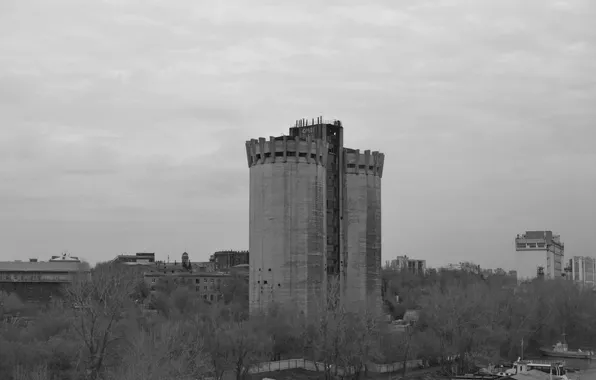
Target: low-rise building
[(465, 266), (206, 285), (224, 260), (38, 281), (137, 258), (205, 266), (204, 281), (405, 263)]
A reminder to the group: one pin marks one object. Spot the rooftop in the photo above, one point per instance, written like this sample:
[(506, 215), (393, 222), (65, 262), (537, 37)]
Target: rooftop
[(42, 266), (300, 123)]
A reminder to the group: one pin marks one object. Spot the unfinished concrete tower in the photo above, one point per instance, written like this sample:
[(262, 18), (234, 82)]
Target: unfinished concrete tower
[(287, 222), (362, 228), (315, 218)]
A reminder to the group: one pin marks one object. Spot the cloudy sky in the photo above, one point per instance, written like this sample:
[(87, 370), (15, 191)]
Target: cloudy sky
[(122, 122)]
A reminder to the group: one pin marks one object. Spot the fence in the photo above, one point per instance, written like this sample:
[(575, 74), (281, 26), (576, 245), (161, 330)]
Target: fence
[(318, 366)]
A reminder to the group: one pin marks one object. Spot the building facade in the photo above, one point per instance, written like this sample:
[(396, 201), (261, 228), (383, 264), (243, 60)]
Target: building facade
[(207, 284), (405, 263), (224, 260), (464, 266), (539, 254), (315, 219), (137, 258), (583, 270), (39, 282)]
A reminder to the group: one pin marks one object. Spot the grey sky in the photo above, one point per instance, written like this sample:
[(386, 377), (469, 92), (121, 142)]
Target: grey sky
[(123, 122)]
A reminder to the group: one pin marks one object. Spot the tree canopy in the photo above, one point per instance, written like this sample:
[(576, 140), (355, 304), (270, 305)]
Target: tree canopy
[(110, 327)]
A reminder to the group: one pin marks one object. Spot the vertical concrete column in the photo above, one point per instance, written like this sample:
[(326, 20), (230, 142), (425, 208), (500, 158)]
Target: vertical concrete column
[(248, 154), (285, 149), (366, 161), (253, 151), (272, 148), (363, 231), (375, 162), (381, 162), (262, 149)]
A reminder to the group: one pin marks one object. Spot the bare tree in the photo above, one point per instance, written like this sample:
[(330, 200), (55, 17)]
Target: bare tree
[(10, 304), (233, 346), (408, 345), (465, 319), (327, 332), (284, 329), (360, 343), (97, 304), (220, 356), (173, 350)]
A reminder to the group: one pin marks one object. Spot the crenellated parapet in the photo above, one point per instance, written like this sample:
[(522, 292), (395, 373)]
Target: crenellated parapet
[(286, 149), (366, 162)]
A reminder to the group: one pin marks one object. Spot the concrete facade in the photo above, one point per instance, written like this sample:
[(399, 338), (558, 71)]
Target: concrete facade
[(540, 253), (287, 222), (583, 270), (38, 281), (315, 218), (362, 285), (208, 286)]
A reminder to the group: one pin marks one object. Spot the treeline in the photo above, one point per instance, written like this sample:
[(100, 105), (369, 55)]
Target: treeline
[(104, 330), (111, 327), (481, 318)]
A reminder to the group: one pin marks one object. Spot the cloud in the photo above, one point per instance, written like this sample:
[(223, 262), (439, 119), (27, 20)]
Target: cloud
[(131, 116)]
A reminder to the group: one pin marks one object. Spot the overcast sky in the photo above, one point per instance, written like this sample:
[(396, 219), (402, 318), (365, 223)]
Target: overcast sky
[(122, 123)]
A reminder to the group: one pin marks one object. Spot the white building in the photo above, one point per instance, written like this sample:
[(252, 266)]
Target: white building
[(539, 253), (583, 270)]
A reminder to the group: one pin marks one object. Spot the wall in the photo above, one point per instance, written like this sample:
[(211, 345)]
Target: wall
[(355, 215), (33, 292), (227, 259), (362, 285), (583, 269), (373, 242), (287, 233)]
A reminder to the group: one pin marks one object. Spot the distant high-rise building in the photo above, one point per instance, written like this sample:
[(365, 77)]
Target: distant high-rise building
[(315, 219), (583, 270), (540, 253)]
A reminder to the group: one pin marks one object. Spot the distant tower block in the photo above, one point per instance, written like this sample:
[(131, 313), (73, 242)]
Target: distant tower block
[(315, 219), (539, 249), (185, 260), (362, 282), (287, 222)]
